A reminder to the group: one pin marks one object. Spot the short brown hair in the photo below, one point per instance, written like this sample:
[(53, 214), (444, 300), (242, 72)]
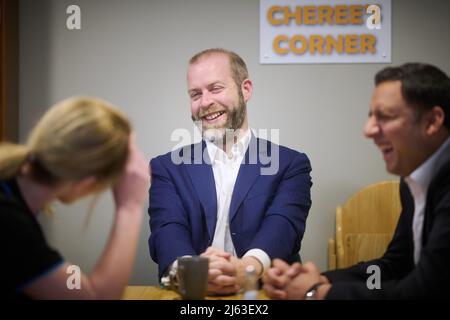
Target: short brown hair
[(238, 67), (424, 86)]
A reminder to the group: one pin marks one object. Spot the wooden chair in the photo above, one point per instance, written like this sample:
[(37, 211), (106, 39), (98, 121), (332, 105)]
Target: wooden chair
[(365, 225)]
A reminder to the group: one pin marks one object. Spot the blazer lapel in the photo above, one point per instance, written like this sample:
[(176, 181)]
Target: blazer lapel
[(249, 171), (441, 169), (202, 178)]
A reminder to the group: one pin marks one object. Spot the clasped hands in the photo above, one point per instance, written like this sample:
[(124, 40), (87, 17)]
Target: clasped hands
[(291, 282), (227, 273)]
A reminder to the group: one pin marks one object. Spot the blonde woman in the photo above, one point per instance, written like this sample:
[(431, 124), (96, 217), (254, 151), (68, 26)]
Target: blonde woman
[(79, 147)]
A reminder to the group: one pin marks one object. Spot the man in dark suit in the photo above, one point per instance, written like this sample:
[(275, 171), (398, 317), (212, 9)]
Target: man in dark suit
[(234, 198), (409, 121)]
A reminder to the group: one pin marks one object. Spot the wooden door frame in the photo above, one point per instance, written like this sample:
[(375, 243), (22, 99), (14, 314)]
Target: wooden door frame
[(9, 70)]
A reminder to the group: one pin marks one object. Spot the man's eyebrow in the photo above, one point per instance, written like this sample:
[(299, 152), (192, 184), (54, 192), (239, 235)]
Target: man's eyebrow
[(215, 83), (192, 90), (376, 112), (385, 111)]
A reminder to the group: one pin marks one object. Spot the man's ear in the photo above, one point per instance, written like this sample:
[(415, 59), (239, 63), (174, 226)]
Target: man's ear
[(434, 120), (247, 89)]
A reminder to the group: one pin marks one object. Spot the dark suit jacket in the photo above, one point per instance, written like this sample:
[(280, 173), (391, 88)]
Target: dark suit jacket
[(266, 211), (401, 278)]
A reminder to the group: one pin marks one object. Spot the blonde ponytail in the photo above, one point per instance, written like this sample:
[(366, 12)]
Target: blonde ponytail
[(12, 158)]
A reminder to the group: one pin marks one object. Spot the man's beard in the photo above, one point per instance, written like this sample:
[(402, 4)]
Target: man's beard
[(235, 120)]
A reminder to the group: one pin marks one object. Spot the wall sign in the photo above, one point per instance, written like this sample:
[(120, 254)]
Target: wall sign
[(331, 31)]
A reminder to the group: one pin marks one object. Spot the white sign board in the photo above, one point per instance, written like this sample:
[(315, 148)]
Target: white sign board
[(325, 31)]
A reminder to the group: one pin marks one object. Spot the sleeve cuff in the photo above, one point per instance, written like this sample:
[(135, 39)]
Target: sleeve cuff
[(261, 256)]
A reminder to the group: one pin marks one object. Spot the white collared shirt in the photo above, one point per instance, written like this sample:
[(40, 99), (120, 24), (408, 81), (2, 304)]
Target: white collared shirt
[(225, 169), (418, 182)]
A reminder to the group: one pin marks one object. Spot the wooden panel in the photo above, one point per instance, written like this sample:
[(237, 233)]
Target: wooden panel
[(365, 246), (366, 223), (157, 293), (331, 254), (375, 209), (340, 248), (9, 70)]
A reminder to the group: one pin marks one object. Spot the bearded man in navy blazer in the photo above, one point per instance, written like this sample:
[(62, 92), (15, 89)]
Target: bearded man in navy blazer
[(234, 198)]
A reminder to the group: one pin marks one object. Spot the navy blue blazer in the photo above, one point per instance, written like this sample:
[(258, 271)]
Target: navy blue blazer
[(268, 209)]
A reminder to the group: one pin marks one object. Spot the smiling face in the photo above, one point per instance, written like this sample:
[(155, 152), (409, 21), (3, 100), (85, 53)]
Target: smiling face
[(397, 130), (217, 102)]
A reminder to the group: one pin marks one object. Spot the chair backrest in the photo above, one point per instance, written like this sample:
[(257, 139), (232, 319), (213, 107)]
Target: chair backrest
[(366, 223)]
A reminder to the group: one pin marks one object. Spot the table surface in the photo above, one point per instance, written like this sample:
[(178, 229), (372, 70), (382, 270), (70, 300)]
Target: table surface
[(157, 293)]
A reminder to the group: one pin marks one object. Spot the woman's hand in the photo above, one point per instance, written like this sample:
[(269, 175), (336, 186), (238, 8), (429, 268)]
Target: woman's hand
[(131, 190)]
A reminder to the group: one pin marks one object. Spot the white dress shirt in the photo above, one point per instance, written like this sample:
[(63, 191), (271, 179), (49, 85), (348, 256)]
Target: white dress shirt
[(418, 182), (225, 169)]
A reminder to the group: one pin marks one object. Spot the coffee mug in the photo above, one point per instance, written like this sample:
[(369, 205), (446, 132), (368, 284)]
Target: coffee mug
[(192, 273)]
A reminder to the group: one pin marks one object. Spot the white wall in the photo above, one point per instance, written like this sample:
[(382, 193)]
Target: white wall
[(134, 53)]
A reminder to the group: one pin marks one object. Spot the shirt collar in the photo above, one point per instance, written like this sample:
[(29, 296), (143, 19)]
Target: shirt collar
[(238, 149), (424, 173)]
